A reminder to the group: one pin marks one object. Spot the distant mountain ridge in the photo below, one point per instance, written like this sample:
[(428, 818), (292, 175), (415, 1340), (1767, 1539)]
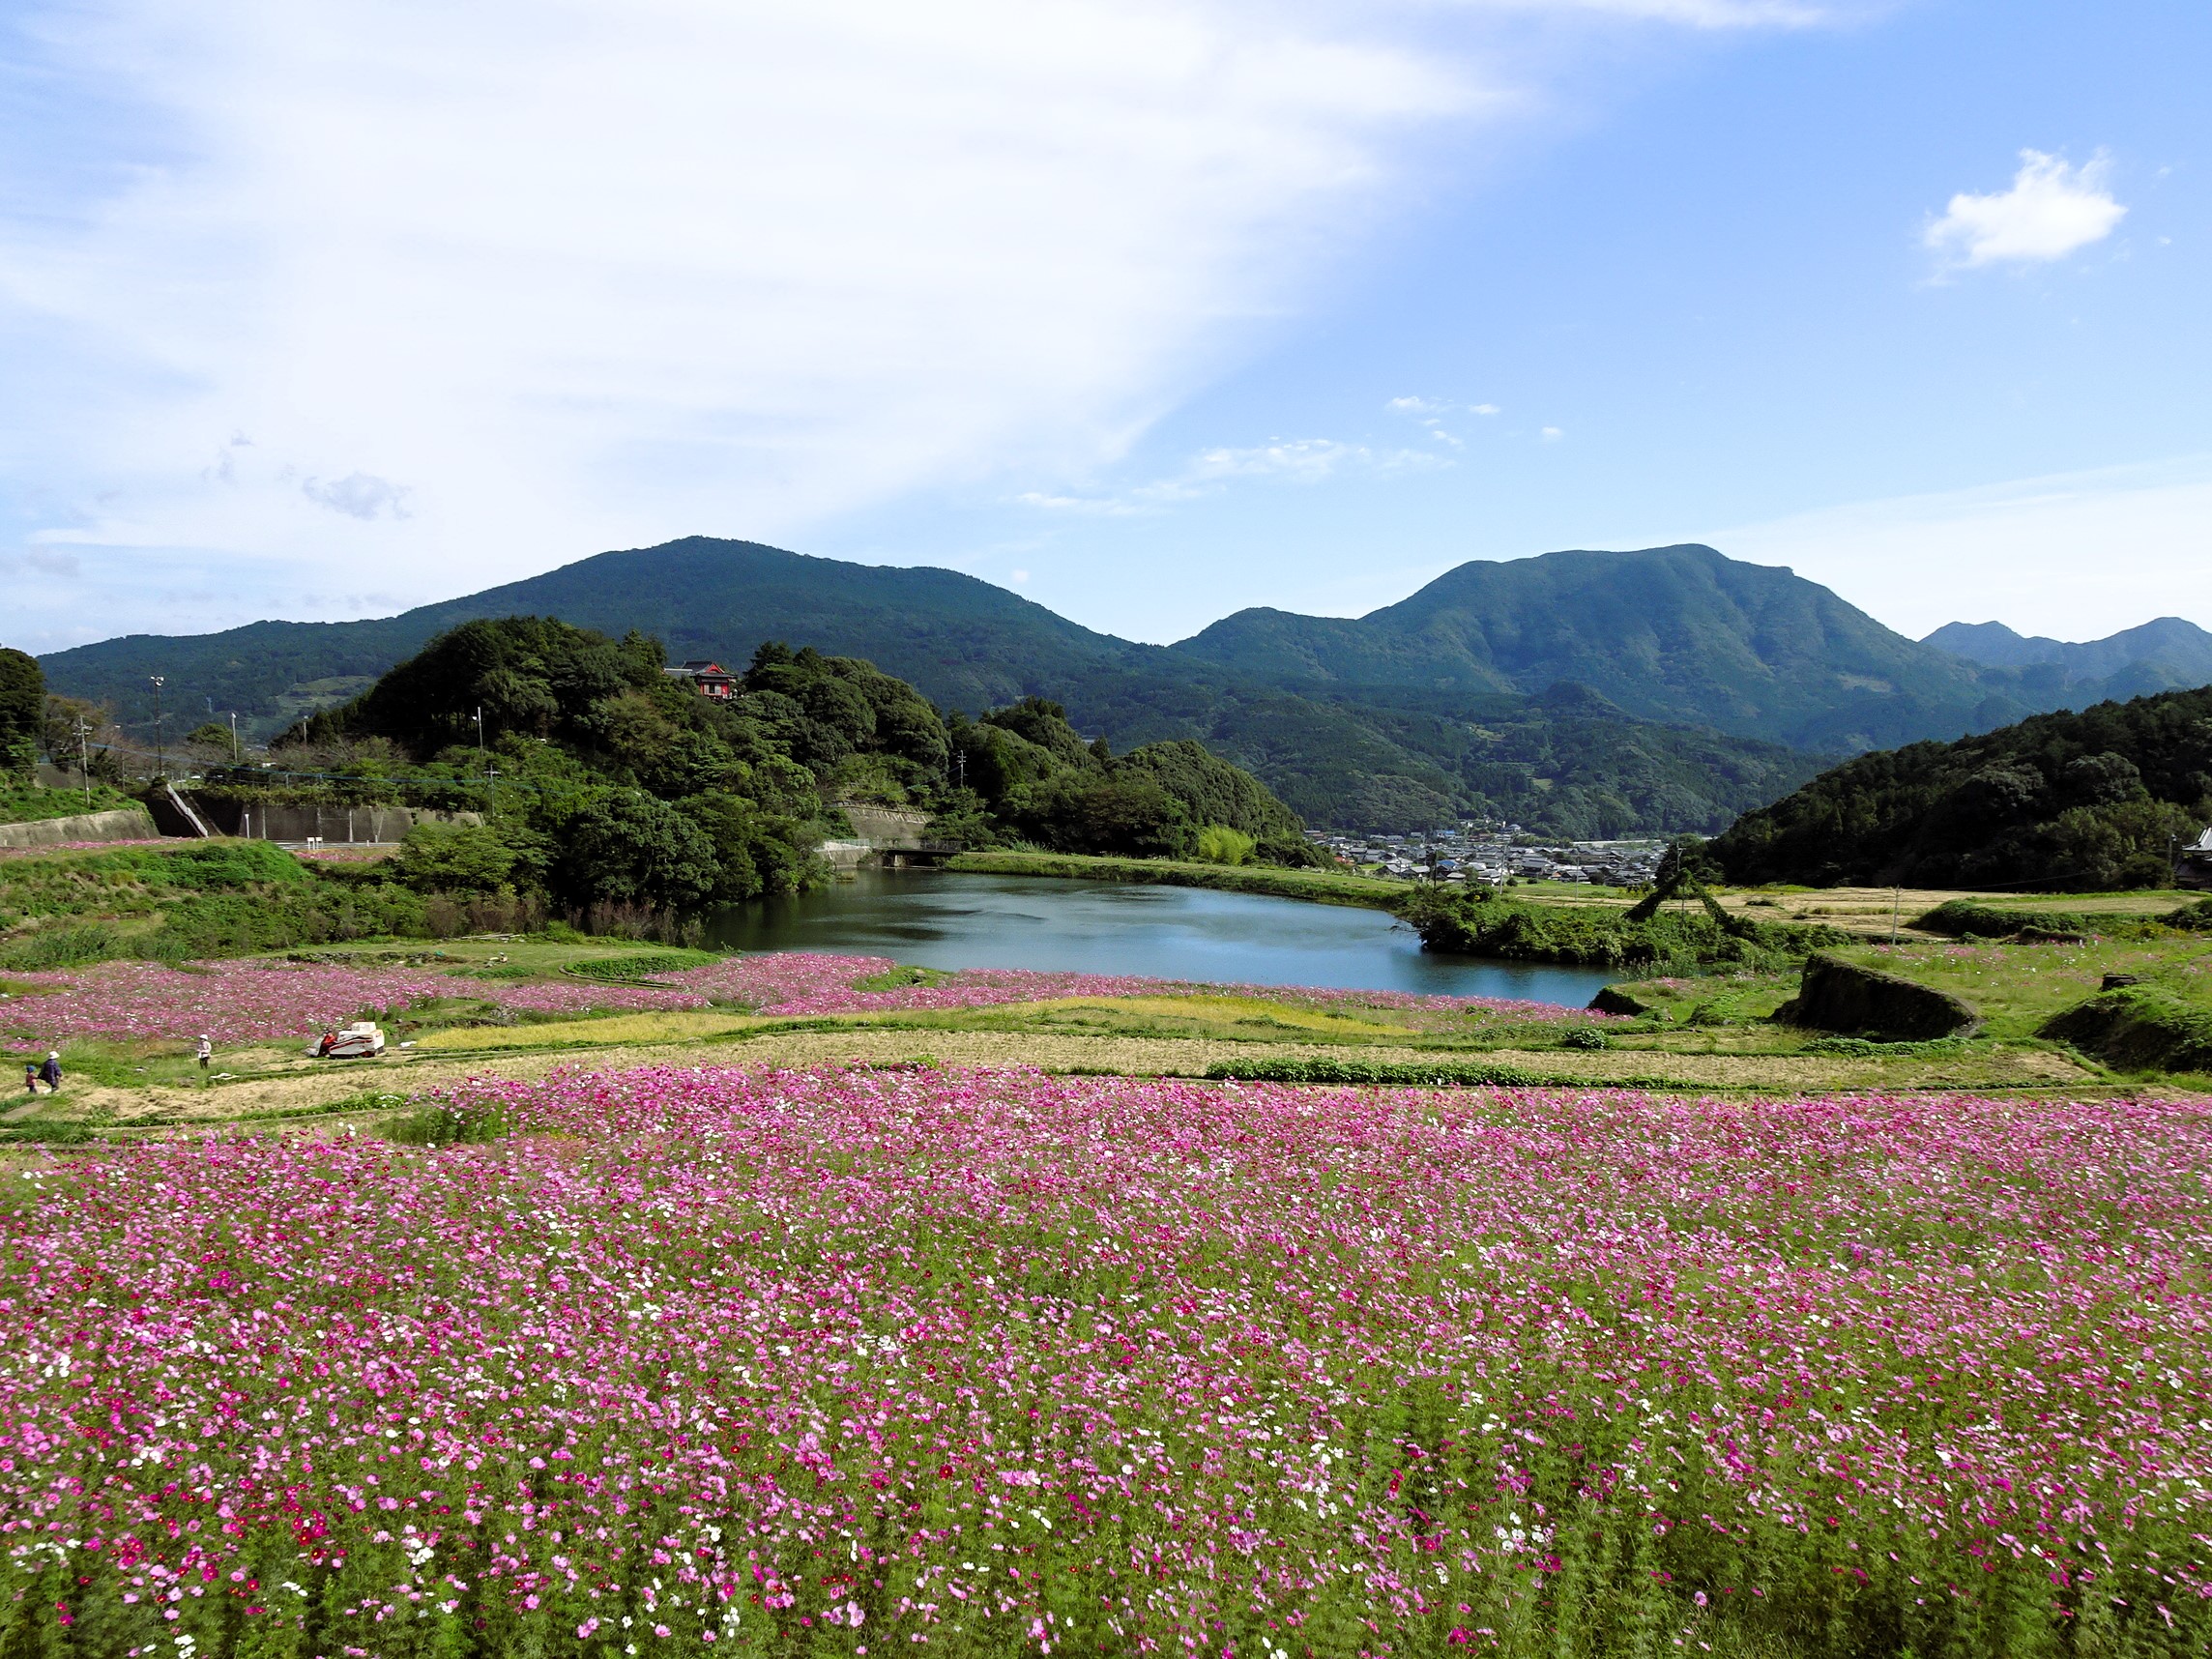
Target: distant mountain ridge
[(1582, 693), (2164, 654)]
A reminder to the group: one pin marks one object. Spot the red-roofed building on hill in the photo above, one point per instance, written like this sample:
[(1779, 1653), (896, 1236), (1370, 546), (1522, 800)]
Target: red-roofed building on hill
[(708, 678)]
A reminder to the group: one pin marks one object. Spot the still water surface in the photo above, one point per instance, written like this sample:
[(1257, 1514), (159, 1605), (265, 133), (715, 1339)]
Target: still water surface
[(944, 920)]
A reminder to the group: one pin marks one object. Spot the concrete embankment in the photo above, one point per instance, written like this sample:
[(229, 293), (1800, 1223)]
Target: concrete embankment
[(123, 823)]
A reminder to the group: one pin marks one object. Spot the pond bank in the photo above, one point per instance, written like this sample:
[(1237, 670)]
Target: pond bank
[(1315, 887)]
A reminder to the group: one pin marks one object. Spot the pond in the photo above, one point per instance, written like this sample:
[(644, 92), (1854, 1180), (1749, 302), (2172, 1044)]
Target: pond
[(944, 921)]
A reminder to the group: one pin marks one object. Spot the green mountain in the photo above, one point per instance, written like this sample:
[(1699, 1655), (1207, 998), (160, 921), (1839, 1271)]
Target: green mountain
[(2067, 802), (1669, 633), (1715, 681), (1392, 755), (964, 642)]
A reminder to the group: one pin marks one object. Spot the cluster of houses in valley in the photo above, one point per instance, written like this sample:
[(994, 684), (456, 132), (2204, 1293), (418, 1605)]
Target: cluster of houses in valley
[(1492, 853)]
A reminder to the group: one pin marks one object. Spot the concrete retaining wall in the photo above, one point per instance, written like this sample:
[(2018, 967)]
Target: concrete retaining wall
[(123, 823), (340, 825), (886, 825)]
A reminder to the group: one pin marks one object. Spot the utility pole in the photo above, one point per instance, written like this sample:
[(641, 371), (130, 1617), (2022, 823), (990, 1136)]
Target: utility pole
[(84, 758), (235, 757), (161, 755), (481, 762)]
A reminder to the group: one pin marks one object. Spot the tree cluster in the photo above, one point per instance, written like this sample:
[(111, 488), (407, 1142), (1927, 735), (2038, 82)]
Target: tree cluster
[(604, 781), (22, 712), (2084, 802), (1025, 774)]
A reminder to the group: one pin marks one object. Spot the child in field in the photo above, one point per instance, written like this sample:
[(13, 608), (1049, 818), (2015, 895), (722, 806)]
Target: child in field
[(30, 1077)]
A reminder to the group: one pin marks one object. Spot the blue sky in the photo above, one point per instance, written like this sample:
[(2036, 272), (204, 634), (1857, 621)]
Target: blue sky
[(1148, 310)]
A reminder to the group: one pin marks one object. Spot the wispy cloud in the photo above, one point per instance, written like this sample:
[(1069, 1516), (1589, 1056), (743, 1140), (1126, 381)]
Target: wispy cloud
[(1291, 461), (586, 274), (1438, 407), (2052, 209), (359, 495), (1431, 411)]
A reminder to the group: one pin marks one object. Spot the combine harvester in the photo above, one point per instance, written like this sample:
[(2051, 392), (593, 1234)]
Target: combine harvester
[(360, 1040)]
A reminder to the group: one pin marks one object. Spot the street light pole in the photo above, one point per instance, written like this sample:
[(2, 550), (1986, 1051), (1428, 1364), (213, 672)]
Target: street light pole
[(235, 757), (161, 755)]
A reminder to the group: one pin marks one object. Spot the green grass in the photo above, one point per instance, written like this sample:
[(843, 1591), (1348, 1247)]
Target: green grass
[(2026, 993), (2142, 1027), (29, 803), (637, 967), (2017, 988)]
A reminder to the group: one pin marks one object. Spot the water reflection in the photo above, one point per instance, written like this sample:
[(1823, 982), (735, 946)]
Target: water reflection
[(944, 920)]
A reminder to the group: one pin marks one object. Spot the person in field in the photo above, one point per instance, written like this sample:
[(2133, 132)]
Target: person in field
[(30, 1077), (206, 1051), (51, 1072)]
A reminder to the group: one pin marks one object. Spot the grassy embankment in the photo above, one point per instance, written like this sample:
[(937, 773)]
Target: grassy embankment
[(29, 803), (1319, 886), (2103, 982), (191, 900)]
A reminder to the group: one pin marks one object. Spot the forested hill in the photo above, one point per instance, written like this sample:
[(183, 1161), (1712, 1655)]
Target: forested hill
[(606, 780), (2065, 802)]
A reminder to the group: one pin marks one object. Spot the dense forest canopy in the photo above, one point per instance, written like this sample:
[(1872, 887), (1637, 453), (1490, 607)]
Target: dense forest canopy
[(2067, 802), (606, 780)]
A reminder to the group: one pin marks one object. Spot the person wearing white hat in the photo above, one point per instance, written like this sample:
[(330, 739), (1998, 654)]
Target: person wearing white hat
[(51, 1072), (206, 1049)]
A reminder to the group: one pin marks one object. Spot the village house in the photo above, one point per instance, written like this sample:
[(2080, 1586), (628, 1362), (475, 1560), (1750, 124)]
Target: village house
[(708, 678)]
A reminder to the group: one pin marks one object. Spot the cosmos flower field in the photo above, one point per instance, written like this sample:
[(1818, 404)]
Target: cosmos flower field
[(989, 1362), (245, 1001)]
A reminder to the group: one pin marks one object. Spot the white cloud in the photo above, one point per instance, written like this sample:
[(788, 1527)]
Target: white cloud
[(1292, 461), (588, 275), (357, 495), (1552, 434), (2051, 209), (1302, 460), (2076, 556), (1430, 407), (497, 285)]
